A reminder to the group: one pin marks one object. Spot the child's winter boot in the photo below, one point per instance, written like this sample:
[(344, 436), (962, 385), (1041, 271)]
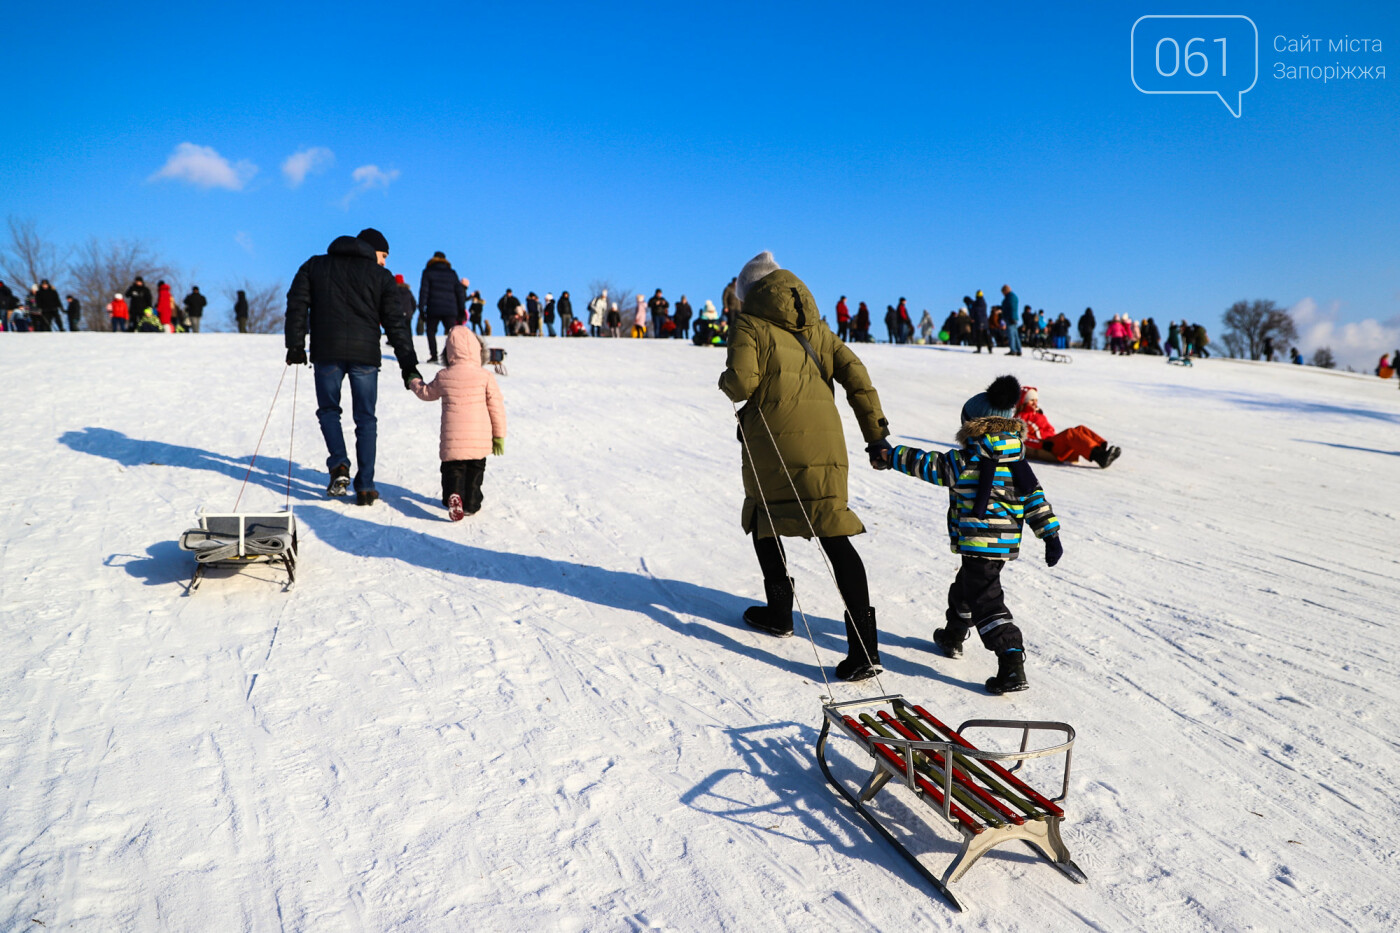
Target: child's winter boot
[(776, 617), (863, 651), (1104, 455), (950, 640), (1011, 672)]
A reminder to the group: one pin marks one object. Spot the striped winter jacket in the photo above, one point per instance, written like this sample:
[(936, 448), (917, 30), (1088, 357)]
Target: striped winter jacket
[(986, 507)]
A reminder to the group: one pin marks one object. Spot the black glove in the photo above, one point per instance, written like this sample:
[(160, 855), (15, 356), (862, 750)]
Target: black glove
[(880, 453), (1054, 550), (408, 378), (296, 357)]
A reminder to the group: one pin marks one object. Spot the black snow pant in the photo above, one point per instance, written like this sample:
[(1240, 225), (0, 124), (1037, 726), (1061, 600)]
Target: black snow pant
[(464, 478), (849, 569), (976, 600), (433, 323)]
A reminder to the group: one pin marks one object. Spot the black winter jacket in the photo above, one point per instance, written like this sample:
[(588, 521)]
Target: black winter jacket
[(441, 293), (8, 301), (47, 301), (345, 297), (138, 299), (194, 304), (566, 307)]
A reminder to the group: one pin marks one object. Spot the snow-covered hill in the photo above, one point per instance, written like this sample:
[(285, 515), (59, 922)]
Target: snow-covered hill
[(550, 717)]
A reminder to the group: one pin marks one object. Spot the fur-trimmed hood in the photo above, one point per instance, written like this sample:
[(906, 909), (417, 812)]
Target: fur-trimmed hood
[(981, 427)]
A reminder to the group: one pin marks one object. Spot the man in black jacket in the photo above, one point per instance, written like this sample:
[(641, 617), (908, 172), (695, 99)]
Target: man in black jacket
[(74, 312), (345, 297), (442, 299), (194, 307), (507, 305), (1086, 329), (138, 299), (49, 305)]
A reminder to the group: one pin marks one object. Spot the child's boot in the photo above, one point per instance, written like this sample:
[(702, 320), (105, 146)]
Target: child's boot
[(950, 640), (863, 651), (1011, 672), (776, 617)]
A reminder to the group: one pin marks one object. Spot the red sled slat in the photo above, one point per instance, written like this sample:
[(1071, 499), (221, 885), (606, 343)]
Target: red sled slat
[(958, 774)]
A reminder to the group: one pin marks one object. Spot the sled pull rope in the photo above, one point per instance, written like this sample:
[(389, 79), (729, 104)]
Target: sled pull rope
[(291, 441), (260, 439), (782, 552)]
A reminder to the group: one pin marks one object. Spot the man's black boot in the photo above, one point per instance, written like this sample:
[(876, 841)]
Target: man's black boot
[(776, 617)]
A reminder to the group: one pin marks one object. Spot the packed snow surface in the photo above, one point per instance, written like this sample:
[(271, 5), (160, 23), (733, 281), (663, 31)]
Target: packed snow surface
[(550, 716)]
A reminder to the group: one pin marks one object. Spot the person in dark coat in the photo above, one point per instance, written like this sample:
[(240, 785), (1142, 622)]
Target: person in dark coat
[(862, 325), (781, 359), (409, 303), (47, 302), (442, 299), (658, 307), (1086, 329), (547, 313), (344, 298), (683, 315), (507, 304), (731, 303), (74, 312), (566, 314), (194, 307), (532, 314), (977, 310), (8, 304), (138, 298), (240, 311), (476, 309)]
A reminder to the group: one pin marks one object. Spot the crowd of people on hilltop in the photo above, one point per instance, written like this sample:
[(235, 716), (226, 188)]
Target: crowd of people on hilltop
[(135, 310)]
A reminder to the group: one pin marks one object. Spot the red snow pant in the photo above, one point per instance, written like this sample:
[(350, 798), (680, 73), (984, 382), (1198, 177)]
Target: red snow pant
[(1071, 444)]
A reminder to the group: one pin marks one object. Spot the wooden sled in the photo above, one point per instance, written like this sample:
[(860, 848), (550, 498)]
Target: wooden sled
[(966, 787), (236, 539), (1046, 355)]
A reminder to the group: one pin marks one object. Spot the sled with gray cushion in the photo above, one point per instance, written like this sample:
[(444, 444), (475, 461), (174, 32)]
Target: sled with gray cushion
[(236, 539)]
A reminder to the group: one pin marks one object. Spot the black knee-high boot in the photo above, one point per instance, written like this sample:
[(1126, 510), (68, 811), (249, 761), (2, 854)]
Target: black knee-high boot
[(776, 617), (862, 648)]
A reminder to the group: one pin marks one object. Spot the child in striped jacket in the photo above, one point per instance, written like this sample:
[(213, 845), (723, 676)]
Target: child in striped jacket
[(992, 492)]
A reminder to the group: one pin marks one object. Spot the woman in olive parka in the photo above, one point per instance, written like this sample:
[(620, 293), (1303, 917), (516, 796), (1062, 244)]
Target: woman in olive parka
[(782, 363)]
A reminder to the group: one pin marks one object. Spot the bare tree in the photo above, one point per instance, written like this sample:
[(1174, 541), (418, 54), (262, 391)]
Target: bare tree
[(28, 257), (104, 267), (1323, 358), (1249, 323), (267, 305)]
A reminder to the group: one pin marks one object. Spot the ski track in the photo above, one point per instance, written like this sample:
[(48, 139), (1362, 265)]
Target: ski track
[(550, 715)]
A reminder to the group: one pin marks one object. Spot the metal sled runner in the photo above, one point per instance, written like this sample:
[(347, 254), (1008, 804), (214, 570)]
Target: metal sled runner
[(966, 786), (1046, 355), (235, 539)]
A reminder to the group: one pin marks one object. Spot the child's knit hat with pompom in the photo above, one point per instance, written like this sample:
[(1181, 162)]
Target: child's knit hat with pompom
[(999, 401)]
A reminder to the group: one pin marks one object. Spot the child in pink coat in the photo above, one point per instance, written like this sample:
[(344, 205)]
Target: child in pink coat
[(473, 420)]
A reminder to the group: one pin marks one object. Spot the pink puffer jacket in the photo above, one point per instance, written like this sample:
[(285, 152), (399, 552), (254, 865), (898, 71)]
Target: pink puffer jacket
[(473, 411)]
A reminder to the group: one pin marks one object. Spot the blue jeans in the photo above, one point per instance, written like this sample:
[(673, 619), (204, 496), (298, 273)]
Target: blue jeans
[(1013, 338), (364, 391)]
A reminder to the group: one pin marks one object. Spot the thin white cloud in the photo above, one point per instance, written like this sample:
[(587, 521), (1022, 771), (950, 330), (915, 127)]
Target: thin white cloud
[(1358, 344), (244, 240), (311, 161), (203, 167), (368, 178)]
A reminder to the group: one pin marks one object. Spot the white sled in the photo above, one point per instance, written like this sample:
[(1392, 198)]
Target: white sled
[(234, 539)]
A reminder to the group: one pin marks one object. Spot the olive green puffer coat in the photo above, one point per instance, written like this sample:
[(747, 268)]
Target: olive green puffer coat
[(769, 369)]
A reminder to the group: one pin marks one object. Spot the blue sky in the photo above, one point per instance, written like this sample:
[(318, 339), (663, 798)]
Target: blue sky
[(922, 150)]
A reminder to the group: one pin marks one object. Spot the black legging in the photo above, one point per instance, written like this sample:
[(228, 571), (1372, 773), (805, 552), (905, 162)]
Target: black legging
[(849, 569)]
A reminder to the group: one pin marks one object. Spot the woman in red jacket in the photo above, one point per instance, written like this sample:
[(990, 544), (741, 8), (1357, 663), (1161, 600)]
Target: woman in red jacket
[(1044, 443), (165, 306)]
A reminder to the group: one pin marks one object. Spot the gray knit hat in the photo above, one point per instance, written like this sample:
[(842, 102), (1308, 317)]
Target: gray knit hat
[(755, 269)]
